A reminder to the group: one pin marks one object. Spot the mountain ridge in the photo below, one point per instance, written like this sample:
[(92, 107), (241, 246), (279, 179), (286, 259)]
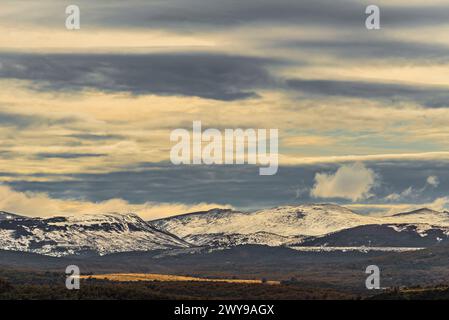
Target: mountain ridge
[(294, 223), (100, 234), (291, 225)]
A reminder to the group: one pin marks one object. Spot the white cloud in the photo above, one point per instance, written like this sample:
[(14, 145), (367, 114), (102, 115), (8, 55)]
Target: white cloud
[(393, 197), (439, 204), (433, 181), (353, 182), (396, 196), (41, 205)]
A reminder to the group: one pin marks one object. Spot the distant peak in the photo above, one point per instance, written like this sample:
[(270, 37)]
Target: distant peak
[(9, 215), (211, 211), (98, 218), (320, 206), (219, 210), (417, 211)]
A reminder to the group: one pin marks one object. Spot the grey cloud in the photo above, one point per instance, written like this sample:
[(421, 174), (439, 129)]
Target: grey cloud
[(95, 137), (68, 155), (22, 121), (187, 15), (240, 186), (429, 96), (372, 48), (214, 76), (6, 154), (218, 14)]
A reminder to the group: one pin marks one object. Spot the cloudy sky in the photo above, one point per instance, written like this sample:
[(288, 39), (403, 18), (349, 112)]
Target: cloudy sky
[(86, 115)]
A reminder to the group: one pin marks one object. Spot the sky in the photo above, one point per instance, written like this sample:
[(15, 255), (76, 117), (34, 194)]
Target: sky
[(86, 115)]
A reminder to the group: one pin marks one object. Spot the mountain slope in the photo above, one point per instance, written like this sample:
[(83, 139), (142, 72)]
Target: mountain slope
[(422, 216), (224, 240), (290, 224), (311, 225), (101, 234), (384, 235), (310, 220)]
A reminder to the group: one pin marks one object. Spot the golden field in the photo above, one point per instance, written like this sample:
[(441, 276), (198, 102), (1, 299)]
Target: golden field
[(126, 277)]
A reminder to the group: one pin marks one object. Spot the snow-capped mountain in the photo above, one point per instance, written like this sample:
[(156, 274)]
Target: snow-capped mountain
[(290, 225), (383, 235), (424, 216), (306, 226), (101, 234), (308, 220)]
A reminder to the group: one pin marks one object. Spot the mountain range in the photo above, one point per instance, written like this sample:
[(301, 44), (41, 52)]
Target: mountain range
[(319, 227)]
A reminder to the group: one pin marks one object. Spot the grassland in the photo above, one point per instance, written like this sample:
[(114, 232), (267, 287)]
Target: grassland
[(127, 277)]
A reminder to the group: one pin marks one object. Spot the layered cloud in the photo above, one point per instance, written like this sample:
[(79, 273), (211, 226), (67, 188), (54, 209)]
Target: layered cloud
[(434, 97), (219, 14), (212, 76), (87, 114), (390, 184)]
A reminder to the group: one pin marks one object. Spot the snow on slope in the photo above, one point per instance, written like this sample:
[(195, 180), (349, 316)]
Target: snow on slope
[(102, 234), (309, 220), (383, 235), (288, 224), (235, 239), (423, 216)]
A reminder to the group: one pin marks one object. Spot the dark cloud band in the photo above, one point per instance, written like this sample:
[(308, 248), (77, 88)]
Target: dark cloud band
[(428, 96), (213, 76), (240, 186), (68, 155), (191, 15)]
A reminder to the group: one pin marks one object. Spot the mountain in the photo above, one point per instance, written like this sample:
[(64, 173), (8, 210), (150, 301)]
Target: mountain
[(99, 234), (302, 227), (424, 216), (313, 219), (383, 236), (320, 224), (272, 227)]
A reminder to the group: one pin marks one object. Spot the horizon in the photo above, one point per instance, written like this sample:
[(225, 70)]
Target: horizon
[(162, 217)]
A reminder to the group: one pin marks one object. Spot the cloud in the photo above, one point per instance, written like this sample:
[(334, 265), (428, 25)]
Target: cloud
[(68, 155), (439, 204), (21, 121), (429, 96), (352, 181), (414, 193), (215, 14), (397, 196), (207, 75), (213, 76), (370, 48), (42, 205), (95, 137), (240, 186), (433, 181)]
